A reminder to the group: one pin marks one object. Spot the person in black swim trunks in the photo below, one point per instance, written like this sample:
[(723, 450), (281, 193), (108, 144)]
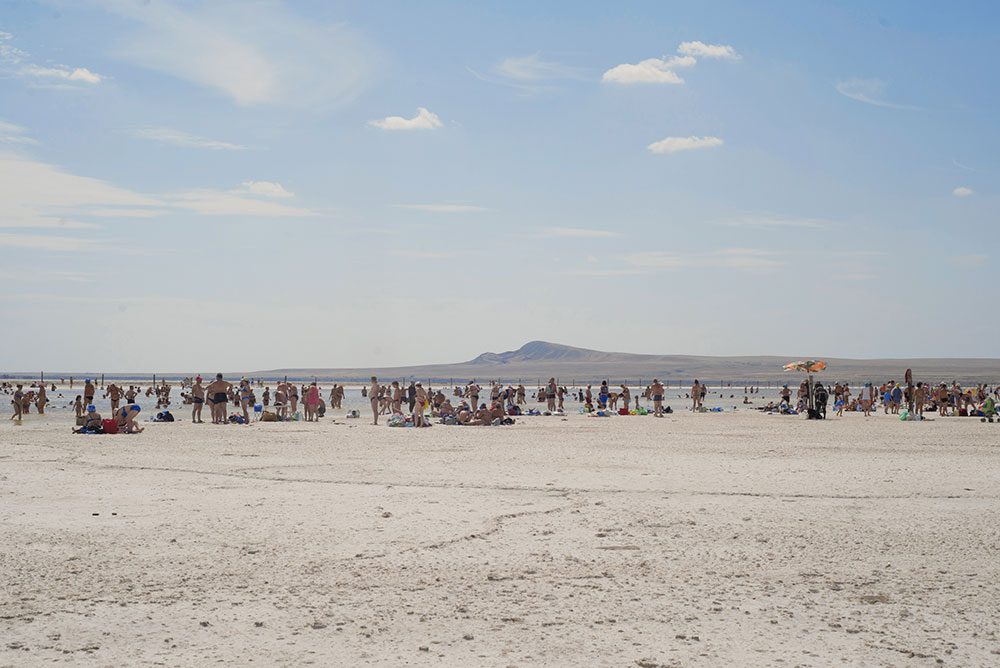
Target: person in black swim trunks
[(197, 400), (656, 389), (218, 393)]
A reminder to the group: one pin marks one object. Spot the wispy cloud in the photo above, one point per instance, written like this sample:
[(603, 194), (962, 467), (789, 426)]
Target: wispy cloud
[(180, 138), (600, 273), (424, 120), (263, 188), (64, 74), (962, 191), (14, 134), (18, 63), (47, 243), (703, 50), (443, 208), (578, 233), (260, 53), (533, 68), (732, 258), (969, 261), (208, 202), (674, 144), (651, 70), (870, 91), (777, 223)]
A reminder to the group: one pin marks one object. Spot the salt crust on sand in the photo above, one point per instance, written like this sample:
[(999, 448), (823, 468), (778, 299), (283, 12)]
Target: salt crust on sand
[(697, 540)]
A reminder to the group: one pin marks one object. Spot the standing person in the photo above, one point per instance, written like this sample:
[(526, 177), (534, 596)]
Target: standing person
[(197, 400), (520, 395), (266, 397), (18, 402), (218, 391), (312, 403), (131, 394), (78, 405), (588, 397), (696, 395), (281, 399), (626, 397), (786, 394), (896, 396), (561, 394), (246, 398), (602, 396), (397, 397), (411, 395), (656, 390), (293, 397), (419, 402), (373, 396), (919, 398), (472, 392), (41, 399), (88, 392), (866, 399), (114, 393)]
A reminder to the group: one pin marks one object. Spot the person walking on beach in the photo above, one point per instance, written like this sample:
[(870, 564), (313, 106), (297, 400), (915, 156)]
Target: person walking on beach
[(373, 392), (419, 403), (197, 400), (656, 390)]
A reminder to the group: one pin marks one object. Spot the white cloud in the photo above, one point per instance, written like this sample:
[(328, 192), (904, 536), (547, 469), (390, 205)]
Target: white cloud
[(424, 255), (208, 202), (258, 53), (673, 144), (651, 70), (424, 120), (16, 61), (577, 233), (869, 91), (39, 242), (599, 273), (969, 261), (772, 223), (179, 138), (265, 188), (591, 258), (708, 50), (533, 68), (732, 258), (962, 191), (442, 208), (14, 134), (79, 74)]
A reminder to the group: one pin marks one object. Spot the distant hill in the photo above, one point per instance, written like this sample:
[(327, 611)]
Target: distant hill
[(541, 359)]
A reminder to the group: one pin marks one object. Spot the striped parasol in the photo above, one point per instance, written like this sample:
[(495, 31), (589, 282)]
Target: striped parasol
[(809, 366)]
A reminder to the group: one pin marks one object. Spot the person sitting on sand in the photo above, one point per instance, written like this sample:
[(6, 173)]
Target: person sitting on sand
[(444, 409), (92, 422)]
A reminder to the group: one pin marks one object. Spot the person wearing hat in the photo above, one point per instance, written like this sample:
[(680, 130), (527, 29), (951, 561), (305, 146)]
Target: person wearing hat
[(197, 400), (91, 422)]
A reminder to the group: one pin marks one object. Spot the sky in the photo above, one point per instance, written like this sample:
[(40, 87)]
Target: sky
[(259, 184)]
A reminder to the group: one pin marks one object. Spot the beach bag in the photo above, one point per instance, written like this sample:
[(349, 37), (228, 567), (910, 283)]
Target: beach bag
[(268, 416), (81, 420), (110, 426), (622, 411)]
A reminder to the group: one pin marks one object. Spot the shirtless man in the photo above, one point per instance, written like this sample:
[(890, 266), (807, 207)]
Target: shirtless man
[(114, 393), (588, 396), (520, 395), (373, 396), (472, 393), (131, 394), (197, 400), (626, 397), (281, 399), (418, 410), (919, 398), (561, 393), (397, 397), (656, 392), (88, 392), (550, 395), (218, 391)]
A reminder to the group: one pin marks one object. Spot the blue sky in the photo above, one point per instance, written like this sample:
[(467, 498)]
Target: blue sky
[(249, 185)]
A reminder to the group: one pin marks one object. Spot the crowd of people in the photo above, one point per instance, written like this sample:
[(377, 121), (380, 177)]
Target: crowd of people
[(470, 404)]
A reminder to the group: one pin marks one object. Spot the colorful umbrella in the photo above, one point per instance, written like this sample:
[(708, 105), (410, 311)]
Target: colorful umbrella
[(809, 366)]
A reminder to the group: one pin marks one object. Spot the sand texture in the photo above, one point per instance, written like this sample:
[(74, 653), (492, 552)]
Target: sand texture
[(734, 539)]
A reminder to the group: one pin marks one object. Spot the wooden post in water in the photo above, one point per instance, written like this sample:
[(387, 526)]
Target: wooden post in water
[(102, 381)]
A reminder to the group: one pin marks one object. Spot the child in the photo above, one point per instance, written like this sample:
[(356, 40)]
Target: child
[(78, 405)]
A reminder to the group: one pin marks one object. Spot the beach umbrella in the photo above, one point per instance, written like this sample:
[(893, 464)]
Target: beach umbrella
[(810, 367)]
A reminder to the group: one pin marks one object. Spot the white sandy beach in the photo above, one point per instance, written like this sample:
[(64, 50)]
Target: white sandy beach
[(735, 539)]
